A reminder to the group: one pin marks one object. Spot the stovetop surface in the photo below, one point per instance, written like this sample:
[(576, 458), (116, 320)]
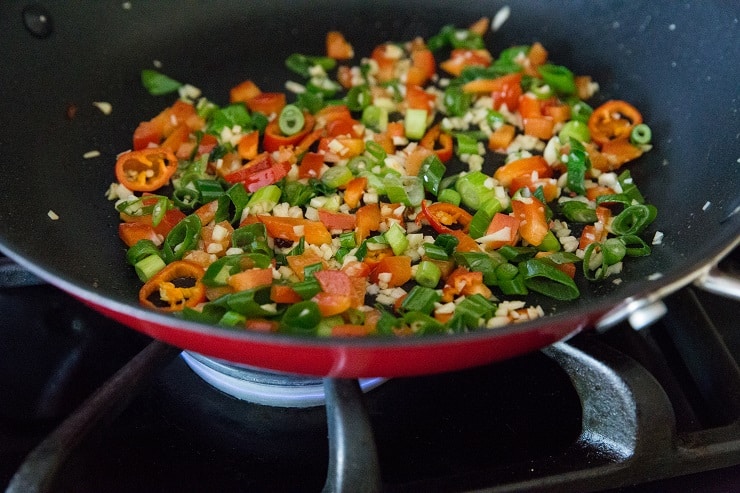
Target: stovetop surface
[(500, 424)]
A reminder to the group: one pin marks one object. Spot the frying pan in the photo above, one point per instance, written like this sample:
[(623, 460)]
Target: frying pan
[(676, 61)]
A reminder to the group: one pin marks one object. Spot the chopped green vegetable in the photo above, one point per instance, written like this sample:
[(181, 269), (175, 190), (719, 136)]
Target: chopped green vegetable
[(158, 84)]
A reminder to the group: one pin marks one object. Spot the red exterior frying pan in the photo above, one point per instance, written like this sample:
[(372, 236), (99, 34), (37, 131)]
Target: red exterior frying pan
[(678, 62)]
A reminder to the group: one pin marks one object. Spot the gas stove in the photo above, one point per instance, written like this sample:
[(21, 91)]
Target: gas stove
[(89, 405)]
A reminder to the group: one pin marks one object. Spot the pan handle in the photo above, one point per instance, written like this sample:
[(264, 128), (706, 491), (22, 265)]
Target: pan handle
[(718, 281), (721, 277)]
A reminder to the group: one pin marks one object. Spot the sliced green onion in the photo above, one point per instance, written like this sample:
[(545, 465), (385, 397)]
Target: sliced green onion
[(427, 274), (435, 252), (296, 193), (577, 164), (484, 262), (248, 303), (232, 203), (575, 129), (442, 38), (473, 309), (548, 280), (448, 242), (323, 85), (407, 190), (358, 98), (208, 190), (473, 190), (375, 118), (495, 119), (415, 123), (479, 224), (310, 270), (421, 324), (506, 271), (140, 250), (396, 238), (310, 101), (376, 151), (541, 89), (324, 328), (633, 219), (588, 272), (337, 176), (420, 299), (613, 251), (456, 102), (466, 144), (291, 120), (514, 286), (158, 84), (614, 198), (232, 319), (450, 196), (558, 77), (641, 134), (549, 243), (301, 64), (577, 211), (431, 172), (347, 239), (219, 271), (580, 111), (208, 315), (228, 117), (307, 288), (264, 199), (517, 254), (359, 164), (629, 188), (148, 266), (635, 246), (449, 181), (252, 238)]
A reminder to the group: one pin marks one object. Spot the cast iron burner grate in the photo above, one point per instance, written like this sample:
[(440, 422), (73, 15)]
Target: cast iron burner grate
[(600, 411)]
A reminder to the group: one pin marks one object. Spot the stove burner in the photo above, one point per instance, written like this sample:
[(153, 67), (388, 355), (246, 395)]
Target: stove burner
[(262, 386)]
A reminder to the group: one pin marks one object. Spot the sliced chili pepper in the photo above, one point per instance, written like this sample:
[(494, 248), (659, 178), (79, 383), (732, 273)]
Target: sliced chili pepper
[(274, 138), (613, 120), (438, 141), (448, 214), (176, 286), (465, 242), (146, 170)]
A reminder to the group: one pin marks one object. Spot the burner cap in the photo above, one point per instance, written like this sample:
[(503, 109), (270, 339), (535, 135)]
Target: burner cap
[(263, 386)]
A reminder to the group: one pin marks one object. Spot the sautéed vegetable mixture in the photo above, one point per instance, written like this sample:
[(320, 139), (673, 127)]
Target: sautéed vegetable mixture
[(425, 188)]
